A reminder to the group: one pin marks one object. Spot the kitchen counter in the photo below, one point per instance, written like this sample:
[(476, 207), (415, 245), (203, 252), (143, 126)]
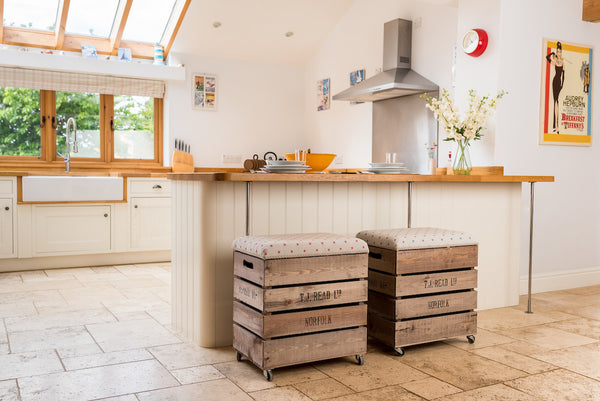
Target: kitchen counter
[(211, 209), (337, 177)]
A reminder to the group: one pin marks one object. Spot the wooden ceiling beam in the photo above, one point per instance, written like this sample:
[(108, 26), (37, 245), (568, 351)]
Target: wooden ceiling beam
[(61, 23), (119, 25), (179, 10), (591, 11), (1, 21)]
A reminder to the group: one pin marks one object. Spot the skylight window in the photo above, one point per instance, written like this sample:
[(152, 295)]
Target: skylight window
[(31, 14), (147, 20), (91, 17)]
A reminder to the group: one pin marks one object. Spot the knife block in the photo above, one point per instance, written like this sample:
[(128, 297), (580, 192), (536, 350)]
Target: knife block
[(182, 162)]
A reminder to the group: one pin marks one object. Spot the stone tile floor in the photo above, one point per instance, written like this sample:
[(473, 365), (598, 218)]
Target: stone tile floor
[(104, 333)]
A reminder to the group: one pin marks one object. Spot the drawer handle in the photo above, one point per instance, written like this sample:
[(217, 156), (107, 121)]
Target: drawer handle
[(247, 264), (375, 255), (105, 214), (6, 208), (135, 206), (156, 187)]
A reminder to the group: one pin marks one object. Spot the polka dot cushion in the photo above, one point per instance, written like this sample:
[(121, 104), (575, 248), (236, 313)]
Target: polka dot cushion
[(415, 238), (298, 245)]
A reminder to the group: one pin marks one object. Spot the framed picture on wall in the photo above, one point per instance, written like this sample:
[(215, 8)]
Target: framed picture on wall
[(566, 94), (204, 92), (323, 96), (355, 78)]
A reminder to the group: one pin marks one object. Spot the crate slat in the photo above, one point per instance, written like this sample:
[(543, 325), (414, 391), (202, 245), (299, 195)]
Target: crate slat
[(275, 353), (418, 331), (427, 305), (277, 272), (396, 286), (283, 324)]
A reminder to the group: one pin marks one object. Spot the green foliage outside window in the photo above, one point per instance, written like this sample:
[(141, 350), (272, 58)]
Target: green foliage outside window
[(20, 122)]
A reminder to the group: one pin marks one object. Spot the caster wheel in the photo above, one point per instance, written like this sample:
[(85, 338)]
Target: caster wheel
[(471, 339), (360, 359), (238, 356), (268, 374), (399, 351)]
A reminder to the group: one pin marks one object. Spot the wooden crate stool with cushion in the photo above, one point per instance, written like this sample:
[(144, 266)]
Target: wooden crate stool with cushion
[(299, 298), (421, 285)]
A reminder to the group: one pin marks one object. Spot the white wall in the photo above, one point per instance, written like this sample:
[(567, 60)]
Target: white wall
[(567, 216), (260, 109), (357, 42)]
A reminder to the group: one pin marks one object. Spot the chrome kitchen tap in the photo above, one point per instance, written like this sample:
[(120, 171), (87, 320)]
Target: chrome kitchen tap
[(67, 155)]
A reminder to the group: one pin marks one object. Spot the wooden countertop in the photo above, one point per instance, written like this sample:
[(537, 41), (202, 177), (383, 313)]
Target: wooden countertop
[(332, 177), (82, 174)]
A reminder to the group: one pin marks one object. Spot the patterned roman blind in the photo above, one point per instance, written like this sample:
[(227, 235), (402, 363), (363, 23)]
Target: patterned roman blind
[(76, 82)]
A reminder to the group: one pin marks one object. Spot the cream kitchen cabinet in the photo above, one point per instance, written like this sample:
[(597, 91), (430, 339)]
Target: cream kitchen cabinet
[(77, 229), (150, 214), (8, 187)]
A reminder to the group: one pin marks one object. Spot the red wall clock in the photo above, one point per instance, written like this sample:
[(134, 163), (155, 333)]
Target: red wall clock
[(475, 42)]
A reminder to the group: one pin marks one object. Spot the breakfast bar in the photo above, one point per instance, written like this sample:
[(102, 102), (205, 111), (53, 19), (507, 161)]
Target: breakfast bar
[(211, 209)]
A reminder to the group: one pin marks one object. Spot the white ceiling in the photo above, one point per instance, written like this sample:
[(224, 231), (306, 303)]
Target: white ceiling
[(255, 29)]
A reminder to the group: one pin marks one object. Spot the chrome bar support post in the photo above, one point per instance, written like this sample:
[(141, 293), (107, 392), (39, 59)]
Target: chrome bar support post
[(247, 208), (409, 224), (530, 249)]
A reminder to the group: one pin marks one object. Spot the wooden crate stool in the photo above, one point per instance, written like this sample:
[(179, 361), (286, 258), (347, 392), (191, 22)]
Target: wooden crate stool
[(299, 298), (421, 285)]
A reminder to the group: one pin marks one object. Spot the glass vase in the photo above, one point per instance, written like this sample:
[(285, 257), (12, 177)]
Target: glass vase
[(462, 159)]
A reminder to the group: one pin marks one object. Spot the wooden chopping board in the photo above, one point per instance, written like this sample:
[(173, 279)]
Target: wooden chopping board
[(182, 162)]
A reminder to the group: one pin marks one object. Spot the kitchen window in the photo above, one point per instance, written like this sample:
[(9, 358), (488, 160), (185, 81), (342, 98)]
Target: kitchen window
[(112, 130)]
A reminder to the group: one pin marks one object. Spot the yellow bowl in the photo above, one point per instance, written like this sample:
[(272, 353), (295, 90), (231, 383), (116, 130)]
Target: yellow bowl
[(316, 161)]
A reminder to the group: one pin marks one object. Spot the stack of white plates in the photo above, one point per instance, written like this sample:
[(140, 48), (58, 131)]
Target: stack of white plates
[(386, 168), (285, 166)]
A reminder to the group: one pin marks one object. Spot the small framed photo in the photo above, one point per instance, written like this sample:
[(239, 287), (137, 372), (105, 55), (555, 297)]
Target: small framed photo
[(323, 98), (89, 51), (124, 54), (204, 92), (355, 78)]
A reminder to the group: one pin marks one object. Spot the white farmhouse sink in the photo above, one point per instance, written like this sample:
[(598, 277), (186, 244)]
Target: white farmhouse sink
[(72, 188)]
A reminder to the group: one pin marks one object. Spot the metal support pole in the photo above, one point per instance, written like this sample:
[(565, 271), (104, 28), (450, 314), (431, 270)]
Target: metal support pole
[(409, 204), (530, 250), (247, 207)]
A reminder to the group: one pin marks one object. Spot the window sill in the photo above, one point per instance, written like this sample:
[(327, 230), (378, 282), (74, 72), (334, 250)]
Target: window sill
[(74, 63)]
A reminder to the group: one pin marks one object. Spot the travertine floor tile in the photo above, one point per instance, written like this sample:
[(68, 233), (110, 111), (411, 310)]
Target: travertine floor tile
[(129, 397), (56, 320), (214, 390), (381, 394), (483, 338), (197, 374), (279, 394), (297, 374), (497, 392), (523, 348), (17, 309), (59, 284), (186, 355), (379, 370), (9, 390), (102, 382), (582, 326), (509, 318), (10, 278), (29, 364), (590, 312), (161, 315), (78, 351), (591, 290), (247, 376), (515, 360), (548, 337), (584, 359), (460, 368), (62, 337), (323, 389), (138, 282), (104, 359), (545, 308), (4, 349), (431, 388), (134, 334), (70, 272), (558, 385)]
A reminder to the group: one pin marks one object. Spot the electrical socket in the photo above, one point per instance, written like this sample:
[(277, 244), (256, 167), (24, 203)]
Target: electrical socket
[(339, 159), (225, 158)]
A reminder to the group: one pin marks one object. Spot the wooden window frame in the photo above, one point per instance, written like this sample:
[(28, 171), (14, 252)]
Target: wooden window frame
[(48, 138)]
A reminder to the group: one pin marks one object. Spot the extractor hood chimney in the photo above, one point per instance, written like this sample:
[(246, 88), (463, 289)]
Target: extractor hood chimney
[(397, 79)]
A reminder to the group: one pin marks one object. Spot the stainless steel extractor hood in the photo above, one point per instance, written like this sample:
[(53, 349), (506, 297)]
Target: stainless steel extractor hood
[(397, 79)]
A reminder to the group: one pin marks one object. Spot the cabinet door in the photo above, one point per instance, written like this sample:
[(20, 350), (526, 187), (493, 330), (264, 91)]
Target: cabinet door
[(71, 229), (151, 223), (6, 228)]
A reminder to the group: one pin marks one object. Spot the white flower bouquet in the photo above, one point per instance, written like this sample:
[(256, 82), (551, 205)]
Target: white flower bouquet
[(462, 129)]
